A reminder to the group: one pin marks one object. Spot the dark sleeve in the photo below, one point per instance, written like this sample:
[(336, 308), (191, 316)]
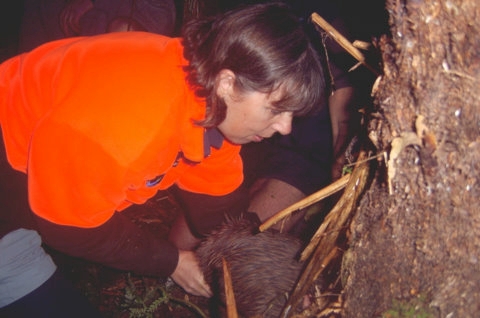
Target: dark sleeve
[(205, 212), (118, 243)]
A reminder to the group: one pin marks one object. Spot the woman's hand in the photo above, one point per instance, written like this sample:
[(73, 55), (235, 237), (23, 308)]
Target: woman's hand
[(71, 15), (189, 275)]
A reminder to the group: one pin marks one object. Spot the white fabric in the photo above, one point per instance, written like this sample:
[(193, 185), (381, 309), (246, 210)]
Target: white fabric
[(24, 265)]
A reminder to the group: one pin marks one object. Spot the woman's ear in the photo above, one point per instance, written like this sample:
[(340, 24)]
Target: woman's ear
[(225, 81)]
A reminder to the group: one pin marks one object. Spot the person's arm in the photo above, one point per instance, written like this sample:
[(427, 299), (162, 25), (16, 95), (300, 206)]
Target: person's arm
[(343, 113), (344, 125), (205, 212), (340, 113), (118, 243)]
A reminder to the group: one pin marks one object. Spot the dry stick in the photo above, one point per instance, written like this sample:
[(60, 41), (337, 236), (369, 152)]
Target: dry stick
[(311, 199), (325, 240), (308, 269), (340, 39), (333, 222), (336, 219), (229, 296)]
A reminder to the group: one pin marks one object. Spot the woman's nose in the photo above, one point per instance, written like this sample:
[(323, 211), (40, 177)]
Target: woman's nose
[(284, 123)]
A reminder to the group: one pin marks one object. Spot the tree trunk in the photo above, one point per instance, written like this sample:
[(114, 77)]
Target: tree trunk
[(415, 239)]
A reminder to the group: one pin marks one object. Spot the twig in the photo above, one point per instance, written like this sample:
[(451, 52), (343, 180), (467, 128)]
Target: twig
[(381, 154), (229, 296), (311, 199), (340, 39), (188, 304), (338, 215), (304, 278), (461, 74)]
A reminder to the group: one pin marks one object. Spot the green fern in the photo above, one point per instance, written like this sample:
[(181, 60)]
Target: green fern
[(145, 306)]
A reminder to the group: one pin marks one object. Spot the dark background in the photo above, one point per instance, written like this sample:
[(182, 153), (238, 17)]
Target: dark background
[(365, 19)]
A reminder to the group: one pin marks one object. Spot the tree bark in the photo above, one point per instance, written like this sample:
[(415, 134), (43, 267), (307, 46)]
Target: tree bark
[(415, 239)]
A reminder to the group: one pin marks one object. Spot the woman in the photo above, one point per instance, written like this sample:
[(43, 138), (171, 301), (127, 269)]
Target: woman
[(97, 124)]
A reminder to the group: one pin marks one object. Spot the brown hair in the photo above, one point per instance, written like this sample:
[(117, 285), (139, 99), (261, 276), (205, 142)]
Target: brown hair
[(265, 46)]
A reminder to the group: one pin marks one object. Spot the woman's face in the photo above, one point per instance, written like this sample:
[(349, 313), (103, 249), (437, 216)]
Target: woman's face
[(251, 117)]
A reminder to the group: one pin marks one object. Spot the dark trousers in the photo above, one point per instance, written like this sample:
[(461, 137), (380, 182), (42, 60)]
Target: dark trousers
[(56, 298)]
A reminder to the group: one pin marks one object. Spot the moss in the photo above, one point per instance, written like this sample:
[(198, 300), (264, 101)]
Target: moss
[(413, 308)]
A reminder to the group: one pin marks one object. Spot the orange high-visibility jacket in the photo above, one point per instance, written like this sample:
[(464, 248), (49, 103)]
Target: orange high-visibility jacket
[(98, 122)]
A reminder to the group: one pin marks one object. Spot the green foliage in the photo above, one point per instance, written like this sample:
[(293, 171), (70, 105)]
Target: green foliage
[(414, 308), (145, 306), (347, 169)]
